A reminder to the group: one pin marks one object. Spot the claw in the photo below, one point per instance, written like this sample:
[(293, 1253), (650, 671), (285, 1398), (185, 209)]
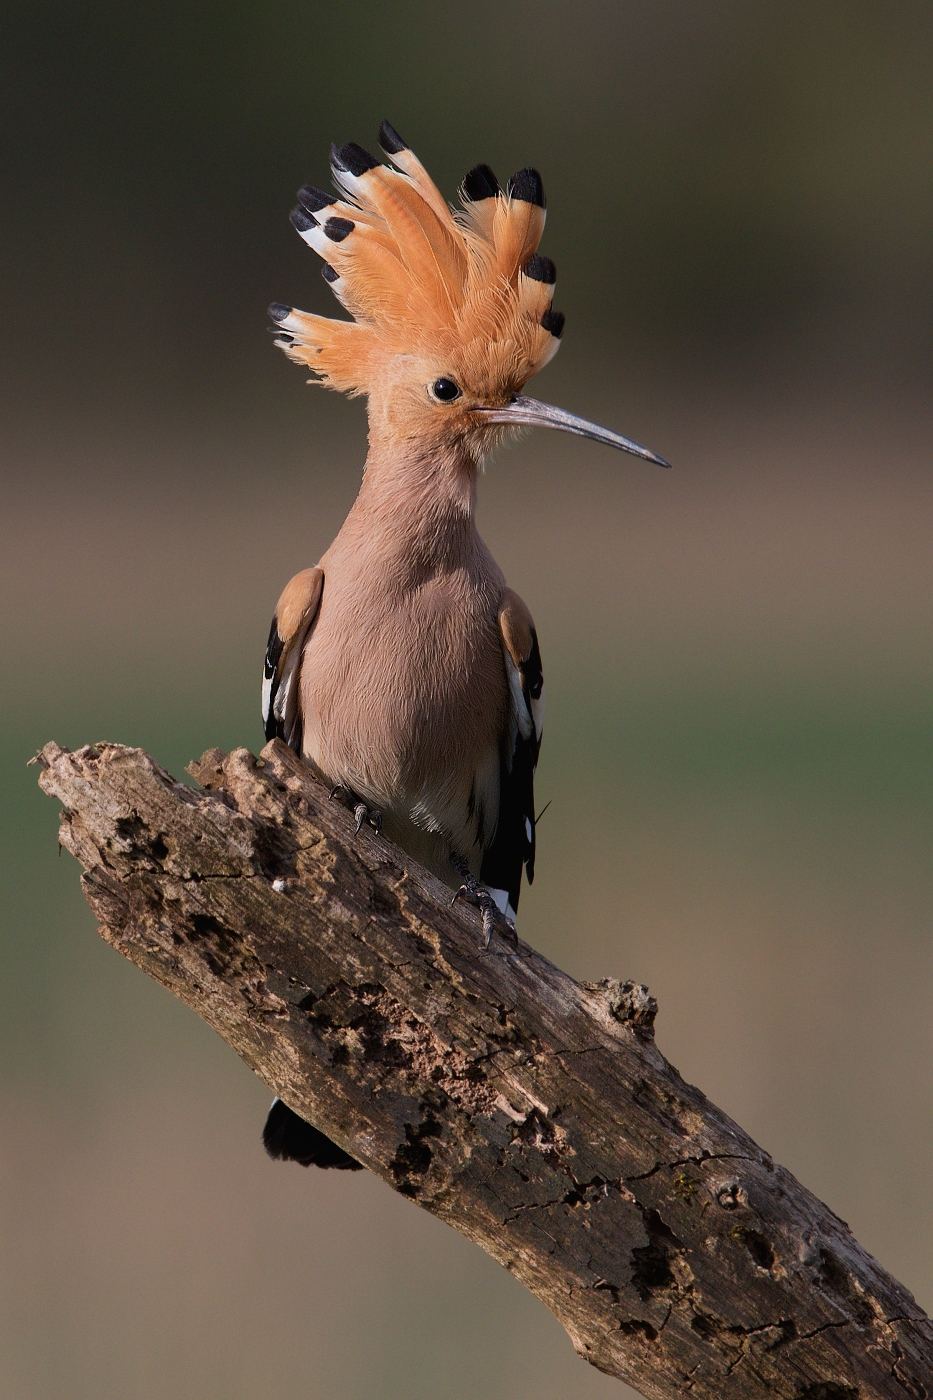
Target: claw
[(475, 893), (502, 923), (348, 798), (363, 814)]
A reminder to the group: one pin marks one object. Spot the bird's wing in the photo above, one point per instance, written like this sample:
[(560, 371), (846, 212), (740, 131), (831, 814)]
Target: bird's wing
[(294, 614), (514, 843)]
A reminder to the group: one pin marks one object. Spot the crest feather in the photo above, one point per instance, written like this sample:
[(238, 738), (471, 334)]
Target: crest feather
[(341, 354), (405, 159), (416, 275)]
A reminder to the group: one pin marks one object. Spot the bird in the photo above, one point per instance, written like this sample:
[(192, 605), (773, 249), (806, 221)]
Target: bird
[(402, 668)]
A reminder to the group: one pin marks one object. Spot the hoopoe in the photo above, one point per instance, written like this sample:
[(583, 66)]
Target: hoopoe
[(401, 667)]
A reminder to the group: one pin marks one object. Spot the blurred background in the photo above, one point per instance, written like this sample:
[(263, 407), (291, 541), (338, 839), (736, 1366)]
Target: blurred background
[(738, 652)]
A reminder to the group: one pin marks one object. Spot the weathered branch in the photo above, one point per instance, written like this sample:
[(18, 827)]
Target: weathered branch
[(532, 1113)]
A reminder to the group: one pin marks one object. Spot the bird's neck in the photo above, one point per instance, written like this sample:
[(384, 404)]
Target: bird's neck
[(417, 504)]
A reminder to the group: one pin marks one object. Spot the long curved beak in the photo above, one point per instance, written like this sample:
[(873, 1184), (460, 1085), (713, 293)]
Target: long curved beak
[(531, 412)]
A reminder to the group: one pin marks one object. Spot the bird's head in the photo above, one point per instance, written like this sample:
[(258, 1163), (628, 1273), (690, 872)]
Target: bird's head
[(452, 309)]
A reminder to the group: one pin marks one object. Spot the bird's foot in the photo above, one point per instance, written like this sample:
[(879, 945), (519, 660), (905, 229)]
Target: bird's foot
[(371, 815), (472, 891), (365, 816)]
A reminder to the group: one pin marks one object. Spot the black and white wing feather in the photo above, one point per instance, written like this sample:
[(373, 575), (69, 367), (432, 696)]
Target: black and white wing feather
[(513, 846), (294, 616)]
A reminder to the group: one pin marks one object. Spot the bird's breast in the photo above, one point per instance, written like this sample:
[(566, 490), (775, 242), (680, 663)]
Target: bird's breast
[(404, 691)]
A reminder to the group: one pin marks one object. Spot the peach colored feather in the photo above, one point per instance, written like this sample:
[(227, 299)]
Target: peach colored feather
[(420, 278)]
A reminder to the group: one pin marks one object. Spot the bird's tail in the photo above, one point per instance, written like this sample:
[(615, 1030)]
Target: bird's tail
[(288, 1138)]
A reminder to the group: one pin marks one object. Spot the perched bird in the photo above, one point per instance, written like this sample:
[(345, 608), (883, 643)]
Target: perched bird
[(401, 667)]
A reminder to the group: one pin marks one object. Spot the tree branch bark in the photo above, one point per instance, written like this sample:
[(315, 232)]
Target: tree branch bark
[(533, 1113)]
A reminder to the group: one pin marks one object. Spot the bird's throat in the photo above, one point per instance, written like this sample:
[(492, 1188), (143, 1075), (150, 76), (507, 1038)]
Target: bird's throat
[(420, 499)]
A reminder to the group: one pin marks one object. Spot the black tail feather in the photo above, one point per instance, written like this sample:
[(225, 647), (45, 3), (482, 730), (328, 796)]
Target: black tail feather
[(288, 1138)]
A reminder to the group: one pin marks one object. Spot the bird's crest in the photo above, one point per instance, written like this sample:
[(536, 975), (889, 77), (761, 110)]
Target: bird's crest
[(420, 278)]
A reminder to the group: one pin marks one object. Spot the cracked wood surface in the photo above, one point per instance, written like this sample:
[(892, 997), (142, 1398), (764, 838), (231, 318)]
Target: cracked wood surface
[(533, 1113)]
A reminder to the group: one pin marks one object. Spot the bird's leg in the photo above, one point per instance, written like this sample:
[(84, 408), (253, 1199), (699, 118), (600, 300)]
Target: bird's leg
[(363, 814), (475, 893)]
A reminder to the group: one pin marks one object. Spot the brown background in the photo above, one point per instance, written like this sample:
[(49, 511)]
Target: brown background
[(738, 653)]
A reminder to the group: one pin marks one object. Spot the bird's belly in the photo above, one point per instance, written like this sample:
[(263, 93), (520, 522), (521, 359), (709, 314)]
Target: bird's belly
[(409, 715)]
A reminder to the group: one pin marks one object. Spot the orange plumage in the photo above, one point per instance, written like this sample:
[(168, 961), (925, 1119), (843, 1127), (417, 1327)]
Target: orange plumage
[(421, 279)]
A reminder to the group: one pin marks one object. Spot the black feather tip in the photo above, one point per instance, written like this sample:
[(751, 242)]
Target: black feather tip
[(527, 186), (481, 183), (353, 158), (313, 199), (301, 219), (330, 274), (278, 313), (553, 321), (288, 1138), (540, 269), (337, 229), (389, 139)]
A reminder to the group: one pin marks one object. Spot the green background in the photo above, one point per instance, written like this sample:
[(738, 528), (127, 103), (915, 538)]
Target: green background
[(738, 653)]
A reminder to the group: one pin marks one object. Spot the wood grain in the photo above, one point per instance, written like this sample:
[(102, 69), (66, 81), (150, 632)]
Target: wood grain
[(533, 1113)]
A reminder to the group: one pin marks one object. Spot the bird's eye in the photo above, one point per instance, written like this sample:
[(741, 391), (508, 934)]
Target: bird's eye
[(445, 390)]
